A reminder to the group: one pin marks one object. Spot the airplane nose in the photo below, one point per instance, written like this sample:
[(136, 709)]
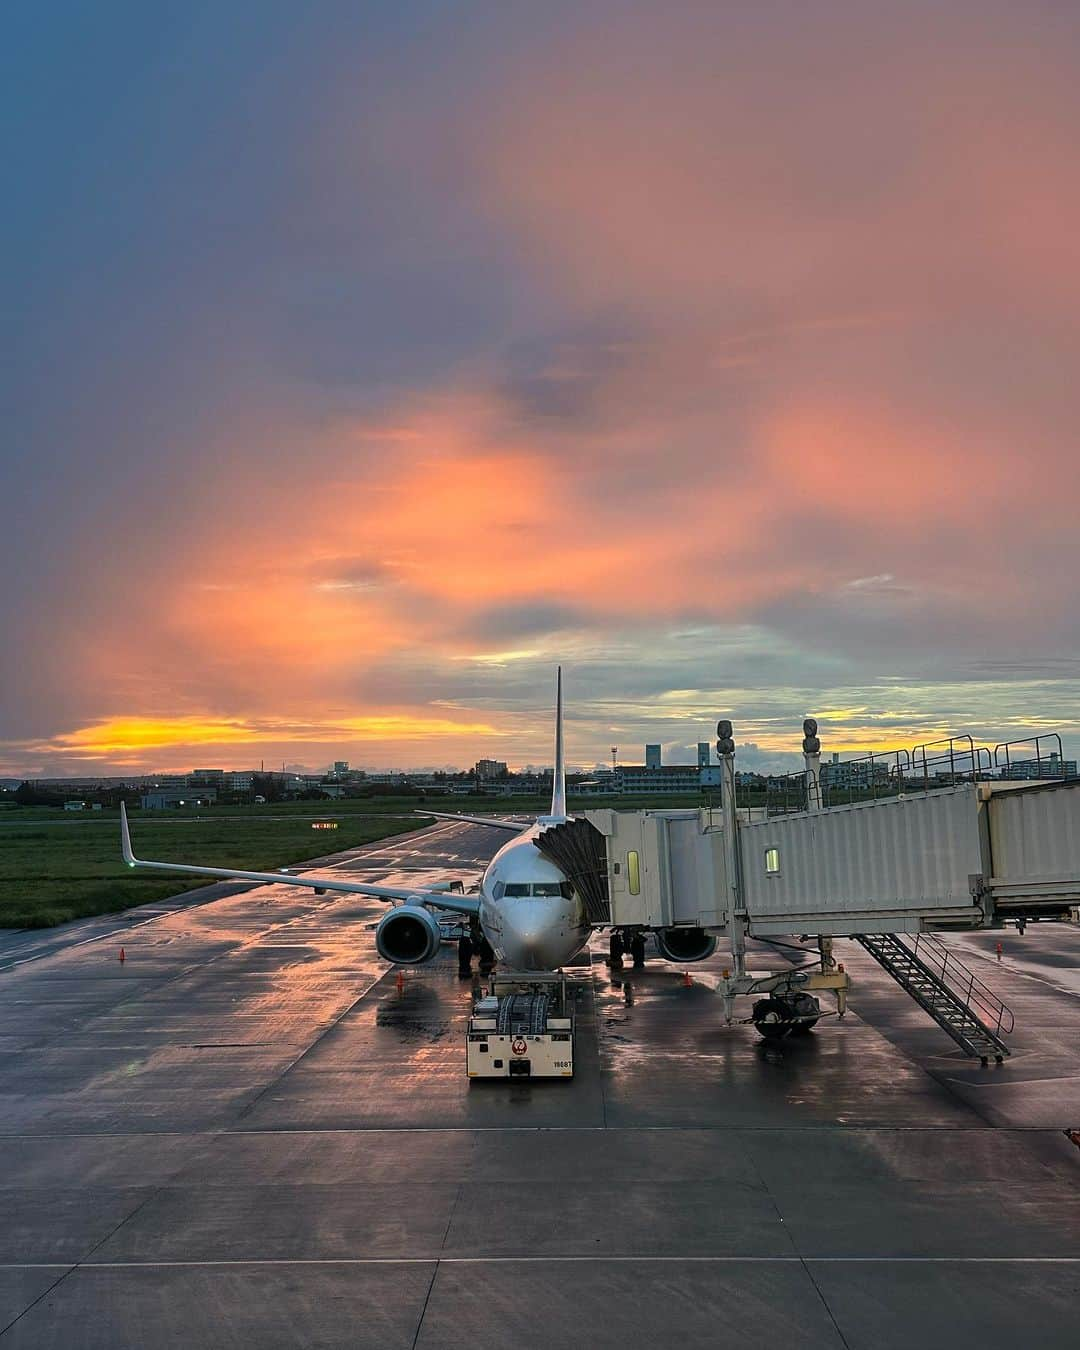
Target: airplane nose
[(527, 931)]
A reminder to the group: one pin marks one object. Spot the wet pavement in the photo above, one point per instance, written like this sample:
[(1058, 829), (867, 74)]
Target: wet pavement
[(246, 1135)]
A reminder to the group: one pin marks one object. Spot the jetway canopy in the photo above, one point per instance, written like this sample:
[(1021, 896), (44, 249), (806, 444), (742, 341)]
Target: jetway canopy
[(961, 857)]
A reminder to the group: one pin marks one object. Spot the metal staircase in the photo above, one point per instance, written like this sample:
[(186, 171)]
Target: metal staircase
[(959, 1003)]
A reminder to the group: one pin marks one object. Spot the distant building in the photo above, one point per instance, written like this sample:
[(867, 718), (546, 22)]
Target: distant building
[(221, 780), (211, 777), (342, 773), (163, 799), (487, 769), (853, 773), (1052, 766), (652, 757), (525, 785), (648, 779), (704, 754)]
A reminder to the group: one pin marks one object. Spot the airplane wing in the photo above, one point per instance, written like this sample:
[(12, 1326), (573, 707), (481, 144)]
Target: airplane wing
[(458, 904), (515, 827)]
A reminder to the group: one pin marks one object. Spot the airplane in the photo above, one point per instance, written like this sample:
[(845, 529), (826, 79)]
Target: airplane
[(527, 909)]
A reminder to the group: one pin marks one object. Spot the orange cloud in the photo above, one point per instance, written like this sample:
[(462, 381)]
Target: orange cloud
[(794, 307)]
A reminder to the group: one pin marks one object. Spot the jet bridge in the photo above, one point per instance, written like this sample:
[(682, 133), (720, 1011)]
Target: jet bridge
[(974, 855)]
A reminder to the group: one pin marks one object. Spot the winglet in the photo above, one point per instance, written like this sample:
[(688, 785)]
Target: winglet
[(558, 786), (125, 838)]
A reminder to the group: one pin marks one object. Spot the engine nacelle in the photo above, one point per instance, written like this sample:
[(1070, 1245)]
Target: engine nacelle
[(408, 936), (685, 944)]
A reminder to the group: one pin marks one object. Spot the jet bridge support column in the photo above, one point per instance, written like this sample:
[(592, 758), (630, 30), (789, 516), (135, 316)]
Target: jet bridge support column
[(736, 914)]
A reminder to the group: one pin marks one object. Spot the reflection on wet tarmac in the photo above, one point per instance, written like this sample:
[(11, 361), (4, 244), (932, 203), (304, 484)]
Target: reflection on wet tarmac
[(251, 1086)]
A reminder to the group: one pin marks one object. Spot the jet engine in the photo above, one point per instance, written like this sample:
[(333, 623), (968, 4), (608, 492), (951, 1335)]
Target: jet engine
[(685, 944), (408, 936)]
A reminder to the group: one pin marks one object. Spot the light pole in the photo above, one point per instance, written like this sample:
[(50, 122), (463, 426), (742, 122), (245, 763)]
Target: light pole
[(736, 918)]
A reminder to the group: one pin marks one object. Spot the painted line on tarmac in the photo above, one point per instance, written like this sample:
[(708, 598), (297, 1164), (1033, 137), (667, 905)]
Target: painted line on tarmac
[(591, 1259), (231, 1132)]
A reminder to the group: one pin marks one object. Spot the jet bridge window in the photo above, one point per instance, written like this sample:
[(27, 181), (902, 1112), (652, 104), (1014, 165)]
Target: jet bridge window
[(772, 862)]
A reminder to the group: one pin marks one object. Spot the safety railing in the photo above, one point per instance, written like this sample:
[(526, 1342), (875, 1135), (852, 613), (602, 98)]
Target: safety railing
[(959, 980), (863, 777), (941, 763), (950, 760), (1041, 757)]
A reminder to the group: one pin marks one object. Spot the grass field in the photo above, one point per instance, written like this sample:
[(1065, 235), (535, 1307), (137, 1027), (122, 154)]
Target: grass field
[(57, 865)]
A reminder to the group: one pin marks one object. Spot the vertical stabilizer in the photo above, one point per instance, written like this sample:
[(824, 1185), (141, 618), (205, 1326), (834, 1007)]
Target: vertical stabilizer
[(558, 787)]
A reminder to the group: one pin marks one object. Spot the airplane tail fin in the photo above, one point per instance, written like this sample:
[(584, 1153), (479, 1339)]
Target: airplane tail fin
[(558, 787)]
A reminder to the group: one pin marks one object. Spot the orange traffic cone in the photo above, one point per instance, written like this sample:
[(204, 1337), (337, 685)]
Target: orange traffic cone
[(400, 982), (123, 957), (687, 978)]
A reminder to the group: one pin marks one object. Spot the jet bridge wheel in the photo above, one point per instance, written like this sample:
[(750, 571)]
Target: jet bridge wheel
[(772, 1018), (775, 1017)]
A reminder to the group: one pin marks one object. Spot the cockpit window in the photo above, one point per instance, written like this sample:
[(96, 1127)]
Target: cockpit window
[(517, 888), (546, 888)]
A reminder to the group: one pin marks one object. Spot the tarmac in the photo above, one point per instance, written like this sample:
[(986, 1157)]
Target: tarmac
[(245, 1135)]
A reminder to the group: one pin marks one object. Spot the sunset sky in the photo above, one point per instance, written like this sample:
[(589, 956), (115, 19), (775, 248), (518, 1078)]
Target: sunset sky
[(363, 361)]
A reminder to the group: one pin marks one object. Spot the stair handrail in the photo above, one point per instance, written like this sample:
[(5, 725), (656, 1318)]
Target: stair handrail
[(963, 982)]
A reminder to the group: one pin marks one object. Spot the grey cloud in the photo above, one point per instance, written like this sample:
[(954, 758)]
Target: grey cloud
[(566, 377), (525, 619)]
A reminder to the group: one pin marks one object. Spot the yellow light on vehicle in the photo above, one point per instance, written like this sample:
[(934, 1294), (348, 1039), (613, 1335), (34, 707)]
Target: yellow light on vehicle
[(633, 872)]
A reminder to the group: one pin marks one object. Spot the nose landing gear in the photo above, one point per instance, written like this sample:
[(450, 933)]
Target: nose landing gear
[(473, 943)]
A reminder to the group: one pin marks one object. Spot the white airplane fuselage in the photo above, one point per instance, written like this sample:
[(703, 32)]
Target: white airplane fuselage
[(529, 912)]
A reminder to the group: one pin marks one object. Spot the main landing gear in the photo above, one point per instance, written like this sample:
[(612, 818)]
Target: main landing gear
[(618, 946)]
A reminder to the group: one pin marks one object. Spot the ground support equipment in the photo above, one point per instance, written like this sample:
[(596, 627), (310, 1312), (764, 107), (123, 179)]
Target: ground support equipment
[(523, 1027)]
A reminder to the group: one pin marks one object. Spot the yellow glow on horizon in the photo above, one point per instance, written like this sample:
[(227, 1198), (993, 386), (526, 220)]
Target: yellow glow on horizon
[(120, 735), (498, 658)]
